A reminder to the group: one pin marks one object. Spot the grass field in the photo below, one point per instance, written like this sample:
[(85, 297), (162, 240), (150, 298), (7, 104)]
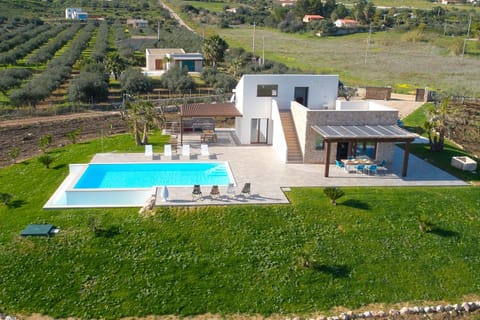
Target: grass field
[(386, 61), (304, 258)]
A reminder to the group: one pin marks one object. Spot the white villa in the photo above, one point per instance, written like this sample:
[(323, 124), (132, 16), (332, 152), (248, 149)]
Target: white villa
[(161, 60), (300, 117)]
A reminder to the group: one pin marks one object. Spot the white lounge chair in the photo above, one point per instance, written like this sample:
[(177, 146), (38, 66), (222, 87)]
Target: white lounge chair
[(148, 151), (204, 151), (167, 151), (186, 151)]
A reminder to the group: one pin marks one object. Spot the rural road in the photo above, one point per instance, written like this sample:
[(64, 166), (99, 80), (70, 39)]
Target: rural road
[(175, 16)]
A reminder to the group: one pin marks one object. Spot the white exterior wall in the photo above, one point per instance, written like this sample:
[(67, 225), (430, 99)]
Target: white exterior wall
[(150, 59), (299, 114), (279, 142), (322, 93)]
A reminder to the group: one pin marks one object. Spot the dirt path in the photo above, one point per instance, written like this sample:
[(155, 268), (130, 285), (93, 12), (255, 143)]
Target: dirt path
[(175, 16)]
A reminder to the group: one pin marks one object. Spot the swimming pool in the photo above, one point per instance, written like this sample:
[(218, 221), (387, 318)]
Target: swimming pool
[(147, 175), (130, 184)]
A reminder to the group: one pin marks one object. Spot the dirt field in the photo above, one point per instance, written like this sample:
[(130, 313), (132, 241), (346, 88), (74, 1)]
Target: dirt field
[(25, 134)]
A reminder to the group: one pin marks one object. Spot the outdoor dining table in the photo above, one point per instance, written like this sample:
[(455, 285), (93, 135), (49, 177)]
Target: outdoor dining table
[(350, 164), (208, 136)]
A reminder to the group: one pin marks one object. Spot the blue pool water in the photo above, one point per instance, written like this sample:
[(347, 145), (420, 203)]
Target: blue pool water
[(146, 175)]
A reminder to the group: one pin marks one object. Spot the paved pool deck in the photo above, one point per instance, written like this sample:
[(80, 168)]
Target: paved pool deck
[(270, 177)]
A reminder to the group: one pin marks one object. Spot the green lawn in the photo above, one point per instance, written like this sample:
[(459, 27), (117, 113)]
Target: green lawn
[(302, 258)]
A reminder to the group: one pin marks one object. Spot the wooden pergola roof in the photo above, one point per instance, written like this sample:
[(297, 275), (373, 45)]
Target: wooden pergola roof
[(209, 110), (375, 133)]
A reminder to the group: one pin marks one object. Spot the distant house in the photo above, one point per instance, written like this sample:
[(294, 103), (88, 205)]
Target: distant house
[(287, 3), (161, 60), (346, 23), (312, 17), (137, 23), (75, 14), (231, 10), (451, 1)]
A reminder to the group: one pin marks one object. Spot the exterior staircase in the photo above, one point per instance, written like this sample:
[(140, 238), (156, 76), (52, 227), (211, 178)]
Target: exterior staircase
[(294, 153)]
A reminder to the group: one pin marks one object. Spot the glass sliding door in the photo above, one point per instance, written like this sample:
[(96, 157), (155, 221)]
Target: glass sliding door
[(259, 131)]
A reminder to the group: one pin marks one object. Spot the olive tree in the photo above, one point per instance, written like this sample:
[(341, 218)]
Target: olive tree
[(134, 82)]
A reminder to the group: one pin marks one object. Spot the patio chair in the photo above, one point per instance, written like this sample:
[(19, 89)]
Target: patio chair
[(372, 169), (215, 192), (359, 168), (197, 192), (383, 167), (186, 151), (149, 151), (246, 190), (231, 190), (167, 151)]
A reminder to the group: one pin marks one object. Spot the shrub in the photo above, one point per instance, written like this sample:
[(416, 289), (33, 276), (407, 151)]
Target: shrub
[(6, 198), (13, 154), (333, 193), (46, 160), (424, 224)]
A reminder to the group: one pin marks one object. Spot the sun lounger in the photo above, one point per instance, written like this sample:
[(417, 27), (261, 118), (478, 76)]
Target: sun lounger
[(204, 151), (149, 151), (167, 151), (186, 151)]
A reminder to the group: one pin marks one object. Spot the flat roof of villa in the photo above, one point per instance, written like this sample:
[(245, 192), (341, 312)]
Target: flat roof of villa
[(379, 132)]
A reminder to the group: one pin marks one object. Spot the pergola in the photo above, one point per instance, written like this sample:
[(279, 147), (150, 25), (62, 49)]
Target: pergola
[(361, 133), (204, 110)]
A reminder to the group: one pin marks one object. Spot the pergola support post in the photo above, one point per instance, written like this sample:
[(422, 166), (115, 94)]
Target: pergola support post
[(181, 130), (405, 158), (327, 160)]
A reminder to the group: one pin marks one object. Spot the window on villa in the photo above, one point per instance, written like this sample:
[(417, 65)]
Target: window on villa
[(367, 148), (267, 90), (319, 142)]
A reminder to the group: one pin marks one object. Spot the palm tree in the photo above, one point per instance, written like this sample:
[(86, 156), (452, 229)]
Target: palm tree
[(214, 49), (115, 64), (134, 114), (436, 125), (150, 118), (142, 114)]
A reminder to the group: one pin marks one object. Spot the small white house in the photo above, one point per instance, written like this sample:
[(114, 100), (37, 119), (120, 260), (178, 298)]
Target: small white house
[(75, 14), (137, 23), (161, 60)]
